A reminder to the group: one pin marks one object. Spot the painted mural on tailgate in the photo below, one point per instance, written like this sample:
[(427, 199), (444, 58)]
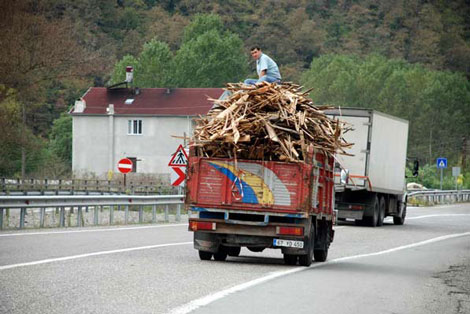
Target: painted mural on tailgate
[(254, 184)]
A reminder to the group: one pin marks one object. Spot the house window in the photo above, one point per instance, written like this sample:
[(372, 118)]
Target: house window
[(134, 127)]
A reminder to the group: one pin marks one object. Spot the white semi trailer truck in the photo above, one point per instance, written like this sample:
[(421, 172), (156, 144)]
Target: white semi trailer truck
[(374, 186)]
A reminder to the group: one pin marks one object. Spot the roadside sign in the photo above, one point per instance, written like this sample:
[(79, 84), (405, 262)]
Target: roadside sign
[(441, 163), (180, 158), (177, 176), (125, 165), (455, 171)]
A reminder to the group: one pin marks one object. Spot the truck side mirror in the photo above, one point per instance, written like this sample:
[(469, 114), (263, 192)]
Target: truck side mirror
[(415, 168)]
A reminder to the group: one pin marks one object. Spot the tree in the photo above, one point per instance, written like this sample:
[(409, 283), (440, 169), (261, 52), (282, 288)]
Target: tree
[(60, 138), (434, 102), (154, 65), (36, 51), (210, 60)]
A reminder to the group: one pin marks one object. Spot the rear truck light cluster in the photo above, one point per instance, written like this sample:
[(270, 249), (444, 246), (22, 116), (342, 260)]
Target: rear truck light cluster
[(356, 207), (201, 225), (294, 231)]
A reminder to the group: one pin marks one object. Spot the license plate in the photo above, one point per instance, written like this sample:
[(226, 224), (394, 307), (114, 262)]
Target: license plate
[(288, 243)]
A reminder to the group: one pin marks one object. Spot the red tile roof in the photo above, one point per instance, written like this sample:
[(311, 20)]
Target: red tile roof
[(151, 101)]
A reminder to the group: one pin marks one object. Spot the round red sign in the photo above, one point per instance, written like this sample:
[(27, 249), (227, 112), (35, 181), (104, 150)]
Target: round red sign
[(125, 165)]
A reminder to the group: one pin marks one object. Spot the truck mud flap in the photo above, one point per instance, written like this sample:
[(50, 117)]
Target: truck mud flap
[(205, 241)]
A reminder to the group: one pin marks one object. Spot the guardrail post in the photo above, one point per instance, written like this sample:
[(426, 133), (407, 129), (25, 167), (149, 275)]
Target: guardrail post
[(22, 215), (62, 217), (141, 213), (95, 215), (79, 218), (167, 218), (1, 218), (111, 214), (154, 213), (126, 214), (42, 212)]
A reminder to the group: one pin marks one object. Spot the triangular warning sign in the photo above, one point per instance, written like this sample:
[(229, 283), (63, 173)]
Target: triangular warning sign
[(180, 158)]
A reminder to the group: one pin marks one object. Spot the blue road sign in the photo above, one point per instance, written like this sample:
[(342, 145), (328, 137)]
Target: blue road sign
[(441, 163)]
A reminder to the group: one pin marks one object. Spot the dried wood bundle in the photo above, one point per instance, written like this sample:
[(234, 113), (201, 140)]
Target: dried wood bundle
[(269, 122)]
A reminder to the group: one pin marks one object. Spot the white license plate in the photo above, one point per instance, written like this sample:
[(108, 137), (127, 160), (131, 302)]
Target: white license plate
[(288, 243)]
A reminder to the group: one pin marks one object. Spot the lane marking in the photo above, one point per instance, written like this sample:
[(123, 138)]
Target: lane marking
[(67, 258), (88, 230), (195, 304), (436, 215)]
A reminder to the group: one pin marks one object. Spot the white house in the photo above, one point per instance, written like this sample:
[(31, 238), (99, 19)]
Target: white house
[(113, 123)]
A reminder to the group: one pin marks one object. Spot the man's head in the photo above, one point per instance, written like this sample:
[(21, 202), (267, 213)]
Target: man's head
[(255, 52)]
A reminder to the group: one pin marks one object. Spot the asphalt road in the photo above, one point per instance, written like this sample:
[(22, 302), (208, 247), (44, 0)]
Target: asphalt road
[(420, 267)]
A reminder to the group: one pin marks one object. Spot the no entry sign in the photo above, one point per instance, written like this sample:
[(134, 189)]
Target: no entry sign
[(125, 165)]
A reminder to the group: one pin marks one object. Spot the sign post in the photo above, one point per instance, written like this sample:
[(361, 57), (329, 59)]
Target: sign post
[(441, 164), (125, 166), (178, 164), (456, 173)]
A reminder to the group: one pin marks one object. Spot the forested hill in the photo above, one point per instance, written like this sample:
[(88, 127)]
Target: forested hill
[(405, 57)]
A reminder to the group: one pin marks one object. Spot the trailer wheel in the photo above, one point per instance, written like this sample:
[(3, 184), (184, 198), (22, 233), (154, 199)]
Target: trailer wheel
[(290, 259), (380, 220), (205, 256), (372, 220), (306, 260), (401, 219)]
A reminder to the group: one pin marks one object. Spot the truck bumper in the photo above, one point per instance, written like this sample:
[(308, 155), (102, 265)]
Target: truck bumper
[(350, 214), (246, 236)]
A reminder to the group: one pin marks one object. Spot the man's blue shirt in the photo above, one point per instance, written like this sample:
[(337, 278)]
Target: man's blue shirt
[(266, 63)]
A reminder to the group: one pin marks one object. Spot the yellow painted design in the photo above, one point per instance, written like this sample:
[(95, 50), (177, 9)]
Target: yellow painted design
[(263, 192)]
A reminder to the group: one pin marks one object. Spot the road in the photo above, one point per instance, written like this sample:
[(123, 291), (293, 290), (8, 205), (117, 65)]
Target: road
[(420, 267)]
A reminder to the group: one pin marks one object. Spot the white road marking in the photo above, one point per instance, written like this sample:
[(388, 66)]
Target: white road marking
[(195, 304), (436, 215), (67, 258), (89, 230)]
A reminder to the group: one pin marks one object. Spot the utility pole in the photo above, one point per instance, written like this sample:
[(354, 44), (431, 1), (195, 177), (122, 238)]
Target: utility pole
[(23, 149)]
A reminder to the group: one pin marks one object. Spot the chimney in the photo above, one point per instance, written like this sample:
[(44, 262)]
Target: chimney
[(129, 74), (80, 105), (110, 109), (168, 91)]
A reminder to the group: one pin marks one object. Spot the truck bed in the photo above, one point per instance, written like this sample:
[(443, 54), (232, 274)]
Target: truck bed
[(258, 186)]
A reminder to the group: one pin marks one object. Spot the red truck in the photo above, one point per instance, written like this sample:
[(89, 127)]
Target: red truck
[(261, 204)]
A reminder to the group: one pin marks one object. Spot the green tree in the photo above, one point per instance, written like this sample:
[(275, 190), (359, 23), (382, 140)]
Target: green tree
[(201, 24), (154, 65), (119, 72), (60, 138), (210, 60)]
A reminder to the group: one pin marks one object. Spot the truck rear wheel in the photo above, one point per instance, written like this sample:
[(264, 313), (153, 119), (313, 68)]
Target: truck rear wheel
[(290, 259), (380, 220), (233, 250), (306, 260), (373, 220), (320, 255), (220, 256), (400, 220), (205, 256)]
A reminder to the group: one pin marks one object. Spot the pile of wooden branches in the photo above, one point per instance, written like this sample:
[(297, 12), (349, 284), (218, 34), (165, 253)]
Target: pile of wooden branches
[(267, 122)]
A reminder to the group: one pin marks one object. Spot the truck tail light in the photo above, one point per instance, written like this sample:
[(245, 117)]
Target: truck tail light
[(201, 225), (295, 231), (356, 207)]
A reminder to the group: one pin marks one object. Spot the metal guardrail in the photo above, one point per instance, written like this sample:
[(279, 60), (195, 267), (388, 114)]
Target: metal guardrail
[(81, 186), (59, 204), (431, 197)]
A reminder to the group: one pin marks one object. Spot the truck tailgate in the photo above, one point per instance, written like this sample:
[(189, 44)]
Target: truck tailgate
[(249, 185)]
